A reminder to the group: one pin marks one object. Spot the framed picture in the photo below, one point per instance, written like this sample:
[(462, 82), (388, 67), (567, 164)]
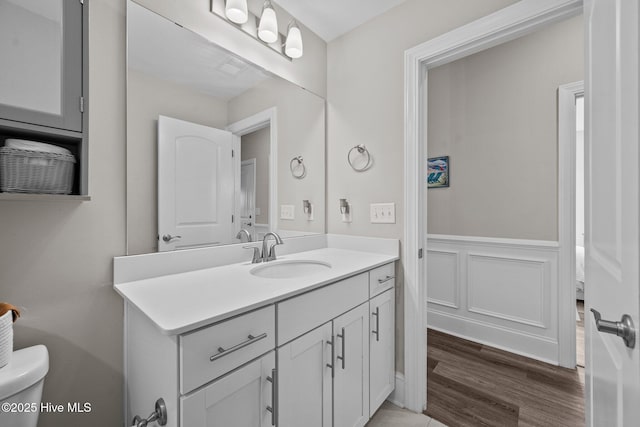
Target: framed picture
[(438, 172)]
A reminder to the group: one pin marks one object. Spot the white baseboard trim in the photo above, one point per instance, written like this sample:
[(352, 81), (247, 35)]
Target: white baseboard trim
[(528, 345), (397, 396)]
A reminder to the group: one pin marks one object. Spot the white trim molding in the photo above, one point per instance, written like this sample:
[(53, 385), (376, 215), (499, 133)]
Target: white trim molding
[(508, 293), (567, 218), (507, 24)]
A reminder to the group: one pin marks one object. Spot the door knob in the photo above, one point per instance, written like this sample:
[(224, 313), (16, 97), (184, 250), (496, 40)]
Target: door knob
[(169, 238), (624, 328)]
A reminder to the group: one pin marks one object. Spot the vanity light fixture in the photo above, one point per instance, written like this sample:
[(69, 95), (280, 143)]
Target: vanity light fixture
[(293, 46), (236, 11), (268, 28)]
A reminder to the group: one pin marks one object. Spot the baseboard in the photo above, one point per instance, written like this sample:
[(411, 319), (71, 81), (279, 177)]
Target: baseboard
[(528, 345), (397, 396)]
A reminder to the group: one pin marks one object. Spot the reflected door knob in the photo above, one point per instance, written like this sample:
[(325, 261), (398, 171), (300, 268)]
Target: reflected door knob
[(168, 238), (624, 328)]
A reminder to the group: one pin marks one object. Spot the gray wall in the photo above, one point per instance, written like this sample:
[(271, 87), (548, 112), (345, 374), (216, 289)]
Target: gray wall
[(301, 132), (148, 97), (495, 114), (365, 76), (57, 256)]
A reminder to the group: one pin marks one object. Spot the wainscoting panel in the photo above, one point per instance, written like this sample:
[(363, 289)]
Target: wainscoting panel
[(443, 270), (499, 292)]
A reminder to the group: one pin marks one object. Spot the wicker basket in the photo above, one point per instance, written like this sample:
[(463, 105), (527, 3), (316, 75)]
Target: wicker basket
[(27, 171)]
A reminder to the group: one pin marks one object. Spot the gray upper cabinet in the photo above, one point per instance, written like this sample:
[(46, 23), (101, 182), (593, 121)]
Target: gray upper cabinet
[(41, 77)]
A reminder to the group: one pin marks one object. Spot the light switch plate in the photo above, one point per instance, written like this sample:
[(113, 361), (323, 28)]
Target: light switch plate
[(383, 213), (287, 212)]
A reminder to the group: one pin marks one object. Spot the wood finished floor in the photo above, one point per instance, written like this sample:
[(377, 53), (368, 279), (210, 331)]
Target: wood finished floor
[(470, 384)]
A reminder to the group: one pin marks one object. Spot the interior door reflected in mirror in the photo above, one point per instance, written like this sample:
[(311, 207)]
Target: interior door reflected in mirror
[(189, 187)]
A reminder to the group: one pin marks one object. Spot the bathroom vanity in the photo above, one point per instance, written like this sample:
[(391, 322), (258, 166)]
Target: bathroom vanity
[(307, 339)]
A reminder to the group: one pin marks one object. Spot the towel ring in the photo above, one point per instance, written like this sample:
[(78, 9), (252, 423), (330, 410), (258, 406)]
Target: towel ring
[(299, 170), (362, 150)]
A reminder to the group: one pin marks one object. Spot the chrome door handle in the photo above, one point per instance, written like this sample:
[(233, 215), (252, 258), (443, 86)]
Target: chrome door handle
[(333, 353), (377, 331), (273, 379), (168, 238), (624, 328), (341, 358)]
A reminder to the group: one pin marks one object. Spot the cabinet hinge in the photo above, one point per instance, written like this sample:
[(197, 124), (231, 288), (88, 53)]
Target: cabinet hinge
[(420, 253), (82, 104), (233, 153)]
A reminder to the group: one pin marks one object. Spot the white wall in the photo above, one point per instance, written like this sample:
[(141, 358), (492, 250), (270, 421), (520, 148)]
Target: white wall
[(365, 106), (57, 257)]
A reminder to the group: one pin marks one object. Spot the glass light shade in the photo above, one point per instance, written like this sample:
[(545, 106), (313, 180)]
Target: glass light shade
[(236, 11), (268, 28), (293, 46)]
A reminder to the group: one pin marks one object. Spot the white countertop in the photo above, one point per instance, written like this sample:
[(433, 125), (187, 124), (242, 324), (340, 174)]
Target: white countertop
[(178, 303)]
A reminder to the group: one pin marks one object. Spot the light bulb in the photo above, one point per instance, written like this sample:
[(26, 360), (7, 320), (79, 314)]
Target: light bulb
[(293, 46), (236, 11), (268, 28)]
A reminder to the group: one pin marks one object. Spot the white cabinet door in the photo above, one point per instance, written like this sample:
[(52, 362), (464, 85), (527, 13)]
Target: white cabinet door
[(304, 387), (351, 378), (243, 398), (381, 349)]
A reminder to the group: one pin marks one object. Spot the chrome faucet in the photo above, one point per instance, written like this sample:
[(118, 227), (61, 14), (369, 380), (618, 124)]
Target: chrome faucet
[(243, 232), (270, 254)]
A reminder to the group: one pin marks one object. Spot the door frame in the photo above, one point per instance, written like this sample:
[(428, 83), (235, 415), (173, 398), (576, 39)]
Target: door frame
[(567, 95), (268, 117), (504, 25)]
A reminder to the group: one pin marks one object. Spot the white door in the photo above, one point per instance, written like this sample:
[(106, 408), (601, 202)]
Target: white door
[(382, 370), (611, 234), (243, 398), (304, 386), (351, 381), (195, 185), (248, 196)]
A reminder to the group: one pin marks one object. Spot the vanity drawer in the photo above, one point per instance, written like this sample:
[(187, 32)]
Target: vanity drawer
[(242, 339), (301, 314), (381, 279)]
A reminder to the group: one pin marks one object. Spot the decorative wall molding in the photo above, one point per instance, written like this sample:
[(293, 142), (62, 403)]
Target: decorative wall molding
[(506, 292), (448, 274)]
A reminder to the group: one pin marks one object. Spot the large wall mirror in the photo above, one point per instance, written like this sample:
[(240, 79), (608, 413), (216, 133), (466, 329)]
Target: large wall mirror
[(215, 144)]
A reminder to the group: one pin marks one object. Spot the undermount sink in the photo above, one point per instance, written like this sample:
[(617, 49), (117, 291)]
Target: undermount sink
[(289, 269)]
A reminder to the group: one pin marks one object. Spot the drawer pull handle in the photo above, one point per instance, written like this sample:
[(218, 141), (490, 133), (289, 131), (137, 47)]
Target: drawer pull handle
[(377, 331), (251, 339), (273, 379), (385, 279)]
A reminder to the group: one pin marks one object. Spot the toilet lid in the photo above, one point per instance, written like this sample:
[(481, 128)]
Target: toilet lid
[(27, 367)]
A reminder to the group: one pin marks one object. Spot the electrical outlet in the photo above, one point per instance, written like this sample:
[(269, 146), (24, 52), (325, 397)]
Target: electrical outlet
[(383, 213), (287, 212)]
